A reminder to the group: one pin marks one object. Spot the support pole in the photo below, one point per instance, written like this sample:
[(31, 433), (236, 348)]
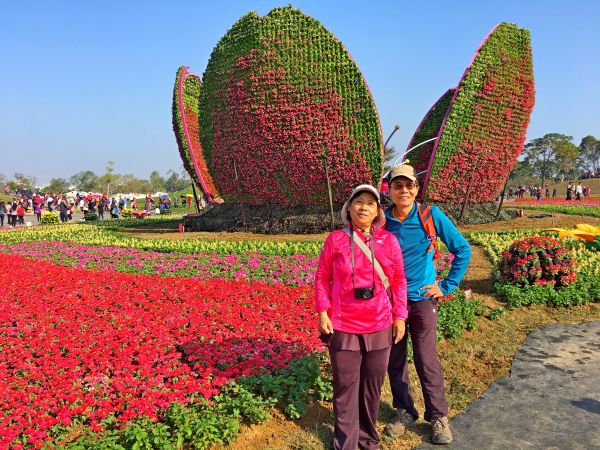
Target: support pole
[(196, 198), (396, 128), (502, 198)]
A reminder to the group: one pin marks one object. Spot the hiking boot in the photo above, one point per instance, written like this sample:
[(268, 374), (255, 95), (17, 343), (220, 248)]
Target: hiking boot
[(398, 425), (440, 431)]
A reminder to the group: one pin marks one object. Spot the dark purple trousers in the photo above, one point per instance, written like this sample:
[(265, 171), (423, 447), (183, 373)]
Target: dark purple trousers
[(358, 374), (421, 325)]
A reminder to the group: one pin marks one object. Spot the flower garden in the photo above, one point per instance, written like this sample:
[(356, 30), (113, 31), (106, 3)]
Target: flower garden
[(116, 342)]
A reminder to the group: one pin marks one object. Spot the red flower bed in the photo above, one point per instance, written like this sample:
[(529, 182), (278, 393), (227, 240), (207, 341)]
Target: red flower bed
[(82, 345), (555, 201)]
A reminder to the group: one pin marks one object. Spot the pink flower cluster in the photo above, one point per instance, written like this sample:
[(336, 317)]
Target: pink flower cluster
[(295, 270)]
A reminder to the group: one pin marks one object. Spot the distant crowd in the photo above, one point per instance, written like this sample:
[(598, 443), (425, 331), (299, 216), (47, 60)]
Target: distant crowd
[(577, 192), (26, 201)]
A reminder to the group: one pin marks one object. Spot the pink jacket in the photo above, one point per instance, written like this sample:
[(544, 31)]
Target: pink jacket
[(333, 283)]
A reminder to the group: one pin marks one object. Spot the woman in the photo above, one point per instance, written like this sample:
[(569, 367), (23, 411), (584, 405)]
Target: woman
[(11, 212), (2, 213), (37, 209), (21, 213), (358, 318)]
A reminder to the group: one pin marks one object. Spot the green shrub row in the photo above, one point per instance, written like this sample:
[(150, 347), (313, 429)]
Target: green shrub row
[(200, 425)]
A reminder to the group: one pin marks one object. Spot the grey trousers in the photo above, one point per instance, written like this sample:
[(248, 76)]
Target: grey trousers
[(421, 325), (357, 379)]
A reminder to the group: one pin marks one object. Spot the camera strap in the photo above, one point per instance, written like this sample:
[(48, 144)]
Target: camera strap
[(369, 253)]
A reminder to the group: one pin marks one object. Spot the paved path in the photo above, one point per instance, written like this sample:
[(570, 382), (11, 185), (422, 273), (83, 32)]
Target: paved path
[(550, 401), (30, 217)]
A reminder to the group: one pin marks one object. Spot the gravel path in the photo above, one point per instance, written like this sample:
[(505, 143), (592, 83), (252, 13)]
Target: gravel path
[(551, 399)]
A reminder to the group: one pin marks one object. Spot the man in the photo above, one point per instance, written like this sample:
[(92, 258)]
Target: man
[(423, 295)]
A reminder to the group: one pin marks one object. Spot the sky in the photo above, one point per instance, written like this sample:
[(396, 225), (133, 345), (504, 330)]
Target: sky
[(86, 82)]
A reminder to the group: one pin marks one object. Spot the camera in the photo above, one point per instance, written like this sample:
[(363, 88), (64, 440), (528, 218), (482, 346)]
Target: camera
[(364, 293)]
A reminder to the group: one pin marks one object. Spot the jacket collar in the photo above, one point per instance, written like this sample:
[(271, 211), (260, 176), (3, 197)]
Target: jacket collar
[(388, 212)]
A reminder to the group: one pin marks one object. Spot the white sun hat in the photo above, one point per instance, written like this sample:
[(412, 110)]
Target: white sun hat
[(379, 220)]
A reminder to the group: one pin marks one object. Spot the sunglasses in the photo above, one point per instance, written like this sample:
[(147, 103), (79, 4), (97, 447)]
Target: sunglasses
[(408, 186)]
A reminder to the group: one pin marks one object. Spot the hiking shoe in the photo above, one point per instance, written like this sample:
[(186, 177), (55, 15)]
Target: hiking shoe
[(440, 431), (398, 425)]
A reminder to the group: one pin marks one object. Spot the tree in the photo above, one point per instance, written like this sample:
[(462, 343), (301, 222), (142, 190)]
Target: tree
[(157, 181), (566, 159), (86, 181), (389, 155), (22, 181), (175, 183), (108, 178), (589, 154), (521, 171), (542, 154), (57, 186)]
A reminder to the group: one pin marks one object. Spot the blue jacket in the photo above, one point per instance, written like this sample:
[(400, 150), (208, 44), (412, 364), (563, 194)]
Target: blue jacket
[(418, 263)]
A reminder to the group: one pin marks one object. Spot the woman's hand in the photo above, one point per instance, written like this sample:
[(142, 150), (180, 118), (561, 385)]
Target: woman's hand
[(433, 291), (398, 330), (325, 325)]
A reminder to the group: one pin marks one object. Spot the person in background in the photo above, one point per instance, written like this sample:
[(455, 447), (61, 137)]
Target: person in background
[(424, 292), (114, 209), (570, 191), (358, 319), (538, 194), (64, 211), (2, 213), (579, 191), (37, 209), (21, 213), (13, 214), (101, 209)]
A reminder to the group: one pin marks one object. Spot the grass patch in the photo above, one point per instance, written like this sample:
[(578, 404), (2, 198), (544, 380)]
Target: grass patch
[(575, 210), (471, 363)]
